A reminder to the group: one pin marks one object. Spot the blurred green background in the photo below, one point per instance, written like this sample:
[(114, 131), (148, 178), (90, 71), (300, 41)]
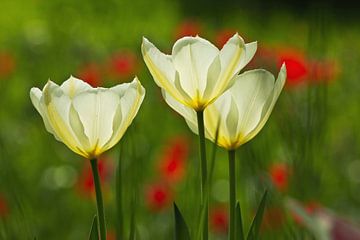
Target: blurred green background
[(308, 150)]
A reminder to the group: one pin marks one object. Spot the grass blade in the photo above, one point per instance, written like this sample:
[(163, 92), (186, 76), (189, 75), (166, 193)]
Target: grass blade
[(94, 233), (239, 231), (255, 226), (181, 229)]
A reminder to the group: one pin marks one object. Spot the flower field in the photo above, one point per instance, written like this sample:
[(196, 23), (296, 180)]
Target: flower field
[(179, 120)]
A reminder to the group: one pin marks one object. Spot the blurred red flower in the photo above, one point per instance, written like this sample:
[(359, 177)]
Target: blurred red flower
[(91, 74), (173, 160), (223, 36), (123, 65), (7, 64), (297, 65), (279, 174), (4, 210), (85, 184), (158, 196), (218, 218), (187, 28)]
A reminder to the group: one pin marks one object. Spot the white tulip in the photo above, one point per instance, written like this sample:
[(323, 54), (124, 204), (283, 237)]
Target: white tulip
[(197, 72), (87, 120), (242, 110)]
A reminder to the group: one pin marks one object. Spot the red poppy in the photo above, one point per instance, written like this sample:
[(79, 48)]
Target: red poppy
[(187, 28), (218, 218), (7, 64), (123, 64), (323, 71), (158, 196), (223, 36), (173, 160), (279, 174), (91, 74), (297, 65), (85, 183), (4, 210)]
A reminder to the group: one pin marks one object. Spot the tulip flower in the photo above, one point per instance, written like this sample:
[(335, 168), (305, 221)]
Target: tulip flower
[(88, 120), (197, 72), (240, 113)]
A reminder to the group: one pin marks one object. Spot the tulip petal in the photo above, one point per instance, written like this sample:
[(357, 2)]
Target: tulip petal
[(249, 54), (232, 56), (252, 89), (186, 112), (131, 96), (192, 57), (57, 108), (162, 69), (35, 96), (74, 86), (96, 109), (279, 84)]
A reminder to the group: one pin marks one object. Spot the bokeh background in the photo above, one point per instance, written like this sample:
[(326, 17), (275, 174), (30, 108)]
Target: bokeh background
[(308, 152)]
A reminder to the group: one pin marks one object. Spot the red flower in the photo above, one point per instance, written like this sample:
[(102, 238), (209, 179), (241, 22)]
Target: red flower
[(172, 163), (158, 197), (90, 73), (279, 174), (223, 36), (4, 211), (187, 28), (7, 64), (123, 64), (297, 65), (85, 183), (218, 218)]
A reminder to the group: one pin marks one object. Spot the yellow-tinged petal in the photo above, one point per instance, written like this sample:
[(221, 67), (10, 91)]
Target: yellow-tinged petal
[(231, 58), (162, 69), (192, 57), (131, 96)]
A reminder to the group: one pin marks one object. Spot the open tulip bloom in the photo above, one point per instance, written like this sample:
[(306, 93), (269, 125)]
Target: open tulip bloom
[(88, 120), (197, 72)]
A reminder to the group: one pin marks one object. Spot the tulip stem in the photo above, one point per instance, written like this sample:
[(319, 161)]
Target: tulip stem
[(99, 200), (201, 129), (232, 193)]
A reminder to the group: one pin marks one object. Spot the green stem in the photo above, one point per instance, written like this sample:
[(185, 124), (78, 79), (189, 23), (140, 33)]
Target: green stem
[(99, 200), (201, 130), (232, 194)]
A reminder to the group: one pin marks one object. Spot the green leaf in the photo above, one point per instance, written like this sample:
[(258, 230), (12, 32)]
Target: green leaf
[(94, 234), (181, 229), (255, 226), (239, 231), (203, 220)]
